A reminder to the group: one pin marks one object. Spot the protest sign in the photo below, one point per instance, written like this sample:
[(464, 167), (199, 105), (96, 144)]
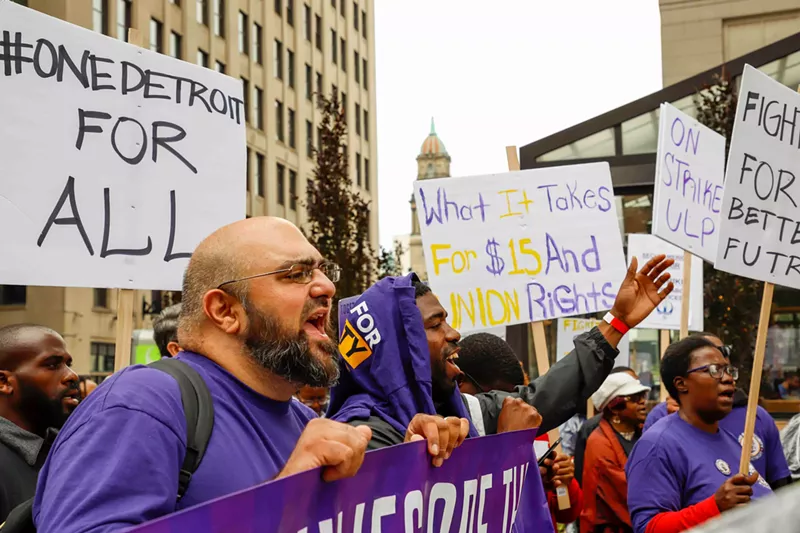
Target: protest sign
[(522, 246), (396, 489), (688, 188), (116, 161), (668, 313), (569, 328)]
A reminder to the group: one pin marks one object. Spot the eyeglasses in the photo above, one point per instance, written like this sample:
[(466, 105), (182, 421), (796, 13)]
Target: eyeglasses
[(463, 375), (727, 351), (299, 273), (636, 398), (716, 371)]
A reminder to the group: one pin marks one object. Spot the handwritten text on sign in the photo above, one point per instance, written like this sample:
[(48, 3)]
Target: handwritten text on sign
[(688, 189), (522, 246), (760, 222), (116, 161), (569, 328), (668, 313)]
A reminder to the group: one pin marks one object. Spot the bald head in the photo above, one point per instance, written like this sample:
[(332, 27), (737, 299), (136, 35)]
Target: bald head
[(233, 252), (19, 341)]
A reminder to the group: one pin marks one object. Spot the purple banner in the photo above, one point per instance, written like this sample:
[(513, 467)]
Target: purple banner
[(345, 305), (489, 485)]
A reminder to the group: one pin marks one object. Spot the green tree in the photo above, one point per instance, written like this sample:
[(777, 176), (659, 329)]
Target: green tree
[(338, 216), (390, 261), (732, 303)]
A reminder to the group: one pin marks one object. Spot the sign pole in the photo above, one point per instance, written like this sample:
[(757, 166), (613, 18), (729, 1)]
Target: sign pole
[(125, 297), (664, 342), (686, 293), (540, 349)]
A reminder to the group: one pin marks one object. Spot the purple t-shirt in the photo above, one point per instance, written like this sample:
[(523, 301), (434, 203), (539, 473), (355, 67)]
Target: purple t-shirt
[(115, 463), (768, 457), (675, 465)]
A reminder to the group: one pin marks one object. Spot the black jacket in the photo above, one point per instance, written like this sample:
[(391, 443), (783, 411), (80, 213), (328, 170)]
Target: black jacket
[(18, 473), (556, 395)]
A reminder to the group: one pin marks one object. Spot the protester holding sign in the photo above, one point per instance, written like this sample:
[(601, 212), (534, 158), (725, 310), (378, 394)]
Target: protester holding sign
[(682, 471), (254, 324)]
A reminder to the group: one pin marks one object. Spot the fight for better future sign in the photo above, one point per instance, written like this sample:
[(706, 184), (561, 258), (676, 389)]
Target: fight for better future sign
[(522, 246), (760, 222), (115, 161), (688, 188)]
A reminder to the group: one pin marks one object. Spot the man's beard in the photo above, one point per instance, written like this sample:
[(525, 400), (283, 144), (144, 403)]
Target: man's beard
[(40, 410), (289, 356), (442, 387)]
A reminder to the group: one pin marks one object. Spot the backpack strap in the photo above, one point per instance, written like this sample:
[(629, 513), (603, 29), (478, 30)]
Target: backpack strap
[(198, 408)]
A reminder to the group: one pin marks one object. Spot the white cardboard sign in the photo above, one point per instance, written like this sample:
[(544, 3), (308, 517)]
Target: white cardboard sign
[(760, 222), (668, 314), (569, 328), (690, 166), (115, 161), (521, 246)]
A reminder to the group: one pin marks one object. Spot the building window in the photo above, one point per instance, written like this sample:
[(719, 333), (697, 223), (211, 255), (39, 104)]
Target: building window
[(202, 58), (202, 12), (176, 2), (99, 19), (343, 8), (242, 33), (123, 19), (292, 135), (258, 100), (309, 139), (364, 24), (358, 169), (219, 66), (356, 66), (366, 125), (246, 97), (319, 138), (281, 184), (247, 172), (102, 356), (366, 173), (344, 106), (175, 45), (318, 31), (319, 84), (344, 54), (333, 3), (156, 36), (334, 47), (13, 295), (358, 119), (260, 175), (101, 298), (257, 55), (355, 15), (364, 72), (279, 7), (309, 91), (307, 21), (277, 59), (292, 190), (290, 12), (279, 120), (219, 18), (290, 67)]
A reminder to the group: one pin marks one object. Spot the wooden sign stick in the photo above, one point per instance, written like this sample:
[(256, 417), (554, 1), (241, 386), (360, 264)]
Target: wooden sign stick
[(122, 350), (755, 378), (664, 343), (686, 298), (540, 349)]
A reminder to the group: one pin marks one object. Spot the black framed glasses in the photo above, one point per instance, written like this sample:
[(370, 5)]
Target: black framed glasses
[(716, 371), (463, 376), (301, 273), (637, 398)]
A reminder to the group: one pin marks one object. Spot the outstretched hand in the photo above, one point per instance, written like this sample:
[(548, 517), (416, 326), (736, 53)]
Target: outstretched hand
[(641, 292)]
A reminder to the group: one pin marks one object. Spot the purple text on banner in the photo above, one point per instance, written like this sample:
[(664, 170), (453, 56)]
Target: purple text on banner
[(489, 484)]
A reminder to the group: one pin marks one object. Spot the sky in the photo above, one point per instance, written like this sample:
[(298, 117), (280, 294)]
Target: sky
[(495, 73)]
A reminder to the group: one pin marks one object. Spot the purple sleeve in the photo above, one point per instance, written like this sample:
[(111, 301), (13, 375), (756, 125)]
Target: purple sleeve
[(656, 413), (777, 467), (653, 484)]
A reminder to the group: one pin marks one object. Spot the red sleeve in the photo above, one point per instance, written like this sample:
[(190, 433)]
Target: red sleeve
[(677, 521), (567, 516)]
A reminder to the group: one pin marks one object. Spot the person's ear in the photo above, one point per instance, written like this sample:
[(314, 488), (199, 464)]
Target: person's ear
[(7, 383), (173, 348), (224, 311), (680, 384)]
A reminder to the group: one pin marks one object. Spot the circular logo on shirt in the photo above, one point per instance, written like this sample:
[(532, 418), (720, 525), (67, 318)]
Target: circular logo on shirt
[(723, 467), (761, 480), (758, 446)]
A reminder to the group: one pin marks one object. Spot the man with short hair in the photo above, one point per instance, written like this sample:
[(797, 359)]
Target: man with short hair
[(255, 326), (38, 390), (790, 385), (165, 331)]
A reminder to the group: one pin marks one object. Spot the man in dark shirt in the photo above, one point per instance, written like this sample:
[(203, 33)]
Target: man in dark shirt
[(165, 331), (38, 390)]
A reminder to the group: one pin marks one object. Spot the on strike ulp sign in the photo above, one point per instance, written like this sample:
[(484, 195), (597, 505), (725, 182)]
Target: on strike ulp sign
[(115, 161)]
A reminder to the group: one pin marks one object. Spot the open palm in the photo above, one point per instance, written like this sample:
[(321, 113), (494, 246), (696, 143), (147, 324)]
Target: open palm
[(642, 291)]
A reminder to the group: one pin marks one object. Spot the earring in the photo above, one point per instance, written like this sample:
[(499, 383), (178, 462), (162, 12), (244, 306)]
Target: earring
[(616, 420)]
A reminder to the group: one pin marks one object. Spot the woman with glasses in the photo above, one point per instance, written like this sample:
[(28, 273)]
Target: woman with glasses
[(683, 471), (621, 400)]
